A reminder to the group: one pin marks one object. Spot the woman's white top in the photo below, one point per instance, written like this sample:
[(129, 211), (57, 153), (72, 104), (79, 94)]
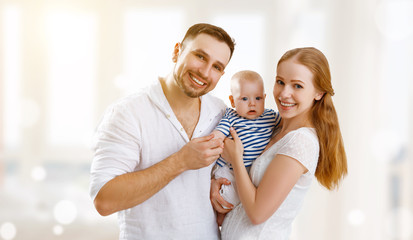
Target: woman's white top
[(302, 145)]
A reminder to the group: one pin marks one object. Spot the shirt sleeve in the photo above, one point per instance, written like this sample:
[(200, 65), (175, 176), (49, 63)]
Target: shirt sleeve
[(303, 147), (117, 146), (224, 125), (277, 118)]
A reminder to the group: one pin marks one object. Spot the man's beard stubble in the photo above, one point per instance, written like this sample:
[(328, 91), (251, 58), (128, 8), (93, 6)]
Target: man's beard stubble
[(193, 94)]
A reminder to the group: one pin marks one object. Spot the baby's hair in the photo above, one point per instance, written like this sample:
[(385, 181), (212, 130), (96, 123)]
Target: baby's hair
[(245, 75)]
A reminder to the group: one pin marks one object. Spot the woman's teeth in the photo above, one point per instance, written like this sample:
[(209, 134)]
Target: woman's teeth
[(287, 104)]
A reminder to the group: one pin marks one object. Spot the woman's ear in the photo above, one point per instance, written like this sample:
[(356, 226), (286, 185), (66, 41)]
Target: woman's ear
[(318, 96), (175, 53), (231, 99)]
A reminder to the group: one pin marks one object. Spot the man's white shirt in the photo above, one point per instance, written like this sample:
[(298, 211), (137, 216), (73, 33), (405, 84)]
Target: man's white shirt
[(139, 131)]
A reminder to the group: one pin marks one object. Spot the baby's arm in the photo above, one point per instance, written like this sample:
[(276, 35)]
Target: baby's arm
[(218, 135)]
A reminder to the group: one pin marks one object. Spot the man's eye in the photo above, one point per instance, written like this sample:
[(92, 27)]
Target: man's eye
[(200, 56), (218, 68)]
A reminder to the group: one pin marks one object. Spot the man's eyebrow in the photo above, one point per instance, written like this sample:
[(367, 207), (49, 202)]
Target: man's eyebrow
[(207, 55)]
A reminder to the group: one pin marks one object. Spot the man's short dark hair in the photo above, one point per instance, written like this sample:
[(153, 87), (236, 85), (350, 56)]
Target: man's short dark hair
[(213, 31)]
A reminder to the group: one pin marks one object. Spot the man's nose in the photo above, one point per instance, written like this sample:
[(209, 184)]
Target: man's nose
[(205, 69)]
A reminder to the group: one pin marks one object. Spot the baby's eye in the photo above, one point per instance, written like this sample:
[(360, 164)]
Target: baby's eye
[(244, 99), (258, 98)]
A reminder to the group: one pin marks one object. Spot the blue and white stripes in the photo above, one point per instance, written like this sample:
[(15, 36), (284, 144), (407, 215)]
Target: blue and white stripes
[(254, 133)]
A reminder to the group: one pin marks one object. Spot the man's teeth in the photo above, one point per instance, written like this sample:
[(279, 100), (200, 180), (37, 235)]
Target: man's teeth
[(287, 104), (197, 81)]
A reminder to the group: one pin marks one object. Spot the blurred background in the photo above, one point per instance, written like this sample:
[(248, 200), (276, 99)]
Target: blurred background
[(63, 62)]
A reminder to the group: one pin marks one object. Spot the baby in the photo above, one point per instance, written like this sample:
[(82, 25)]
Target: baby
[(253, 123)]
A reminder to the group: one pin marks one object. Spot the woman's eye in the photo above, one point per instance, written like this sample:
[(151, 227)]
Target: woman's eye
[(280, 82), (298, 86)]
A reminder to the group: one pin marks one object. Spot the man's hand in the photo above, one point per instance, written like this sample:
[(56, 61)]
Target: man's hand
[(217, 200), (200, 152), (220, 218)]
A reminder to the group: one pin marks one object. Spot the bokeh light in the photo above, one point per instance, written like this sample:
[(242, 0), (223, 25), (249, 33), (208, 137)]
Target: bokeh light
[(38, 173), (8, 231), (65, 212), (356, 217), (58, 230)]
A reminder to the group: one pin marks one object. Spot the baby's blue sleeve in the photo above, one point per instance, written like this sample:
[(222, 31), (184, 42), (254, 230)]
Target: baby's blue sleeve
[(277, 118), (225, 123)]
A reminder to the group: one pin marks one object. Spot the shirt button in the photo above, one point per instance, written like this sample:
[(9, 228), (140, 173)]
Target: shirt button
[(168, 116), (182, 129)]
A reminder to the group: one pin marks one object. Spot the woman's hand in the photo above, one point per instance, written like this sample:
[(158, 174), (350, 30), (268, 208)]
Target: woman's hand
[(233, 148)]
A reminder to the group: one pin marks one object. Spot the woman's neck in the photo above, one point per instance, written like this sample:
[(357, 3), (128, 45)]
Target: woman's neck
[(295, 123)]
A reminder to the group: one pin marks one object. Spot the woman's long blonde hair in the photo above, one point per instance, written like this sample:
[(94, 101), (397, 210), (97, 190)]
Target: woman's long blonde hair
[(332, 162)]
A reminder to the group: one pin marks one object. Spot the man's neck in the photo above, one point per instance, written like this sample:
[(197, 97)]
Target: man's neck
[(177, 99), (186, 109)]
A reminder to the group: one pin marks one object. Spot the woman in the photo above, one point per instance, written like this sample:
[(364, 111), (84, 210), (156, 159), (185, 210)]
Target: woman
[(308, 144)]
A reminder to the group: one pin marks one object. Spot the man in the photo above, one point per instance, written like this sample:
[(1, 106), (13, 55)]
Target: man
[(154, 151)]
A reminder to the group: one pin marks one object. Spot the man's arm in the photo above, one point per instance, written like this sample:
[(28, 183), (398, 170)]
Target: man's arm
[(131, 189)]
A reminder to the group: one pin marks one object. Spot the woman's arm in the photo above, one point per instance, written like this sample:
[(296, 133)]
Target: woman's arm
[(280, 177)]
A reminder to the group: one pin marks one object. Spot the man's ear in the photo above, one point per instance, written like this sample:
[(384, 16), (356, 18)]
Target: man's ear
[(231, 99), (175, 53), (318, 96)]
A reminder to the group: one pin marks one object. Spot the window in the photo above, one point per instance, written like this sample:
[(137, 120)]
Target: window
[(248, 30), (72, 52), (12, 76), (148, 45)]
